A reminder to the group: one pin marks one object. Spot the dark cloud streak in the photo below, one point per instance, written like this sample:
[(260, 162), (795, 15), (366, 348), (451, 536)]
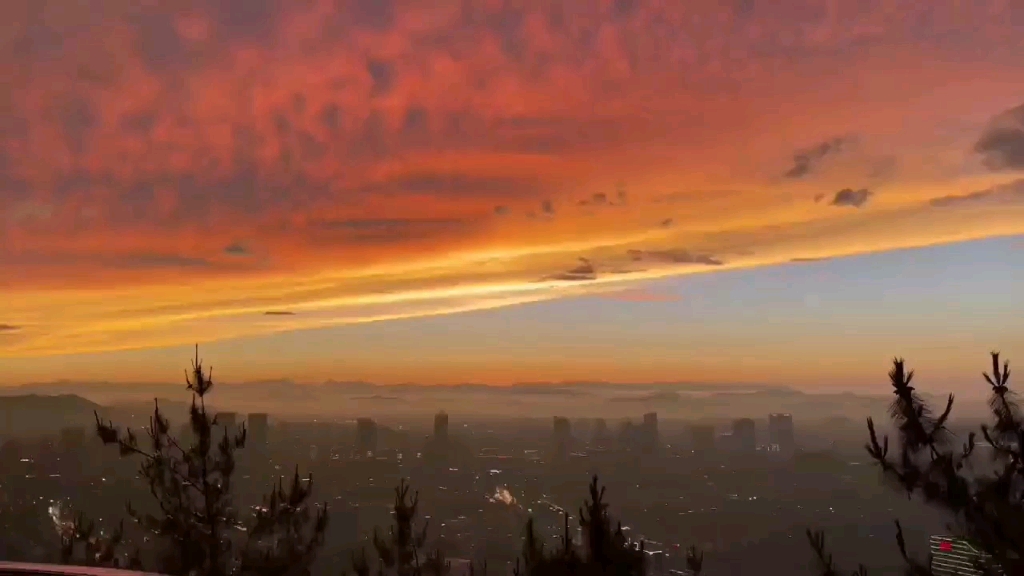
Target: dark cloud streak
[(674, 256), (807, 160), (369, 231), (583, 272), (807, 260), (852, 198), (236, 249), (1001, 145), (1011, 192)]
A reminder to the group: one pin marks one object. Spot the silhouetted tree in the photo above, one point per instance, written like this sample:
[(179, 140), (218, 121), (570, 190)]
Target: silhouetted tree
[(986, 507), (694, 560), (606, 550), (81, 541), (194, 514), (402, 552)]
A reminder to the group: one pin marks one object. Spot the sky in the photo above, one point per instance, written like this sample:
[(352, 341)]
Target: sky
[(510, 191)]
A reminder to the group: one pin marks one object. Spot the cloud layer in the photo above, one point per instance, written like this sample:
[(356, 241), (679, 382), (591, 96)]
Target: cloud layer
[(171, 170)]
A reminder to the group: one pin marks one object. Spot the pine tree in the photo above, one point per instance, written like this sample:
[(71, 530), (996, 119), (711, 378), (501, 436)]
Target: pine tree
[(402, 552), (988, 510), (606, 551), (194, 515), (79, 539)]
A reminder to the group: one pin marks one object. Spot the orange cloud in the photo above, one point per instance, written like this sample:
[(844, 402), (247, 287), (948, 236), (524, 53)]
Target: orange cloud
[(169, 171)]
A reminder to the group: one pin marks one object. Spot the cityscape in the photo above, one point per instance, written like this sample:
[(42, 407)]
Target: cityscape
[(679, 483)]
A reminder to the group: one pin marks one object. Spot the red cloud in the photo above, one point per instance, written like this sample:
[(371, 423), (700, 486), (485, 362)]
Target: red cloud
[(174, 132)]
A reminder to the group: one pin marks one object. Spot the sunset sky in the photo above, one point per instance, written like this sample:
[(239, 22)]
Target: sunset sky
[(448, 191)]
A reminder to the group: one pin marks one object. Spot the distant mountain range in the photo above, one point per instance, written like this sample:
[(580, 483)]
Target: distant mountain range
[(54, 403), (33, 414), (66, 386)]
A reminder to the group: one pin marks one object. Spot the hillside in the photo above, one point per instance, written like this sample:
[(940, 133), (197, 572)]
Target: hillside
[(36, 414)]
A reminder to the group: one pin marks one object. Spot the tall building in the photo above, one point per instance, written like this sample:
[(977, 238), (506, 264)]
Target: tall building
[(955, 557), (228, 420), (441, 426), (256, 429), (366, 436), (649, 432), (744, 435), (561, 427), (780, 433), (562, 433), (702, 438)]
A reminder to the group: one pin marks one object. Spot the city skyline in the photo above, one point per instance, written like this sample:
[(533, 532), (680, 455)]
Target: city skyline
[(414, 192)]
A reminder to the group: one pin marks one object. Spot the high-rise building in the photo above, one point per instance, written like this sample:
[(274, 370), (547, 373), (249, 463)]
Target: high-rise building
[(955, 557), (366, 436), (744, 435), (441, 426), (780, 433), (562, 433), (561, 427), (702, 438), (257, 425), (229, 420), (649, 432), (651, 420)]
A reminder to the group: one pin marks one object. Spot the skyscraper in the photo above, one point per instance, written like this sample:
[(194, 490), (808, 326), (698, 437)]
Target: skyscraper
[(649, 432), (441, 427), (366, 436), (744, 435), (562, 432), (229, 420), (780, 433), (257, 425)]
